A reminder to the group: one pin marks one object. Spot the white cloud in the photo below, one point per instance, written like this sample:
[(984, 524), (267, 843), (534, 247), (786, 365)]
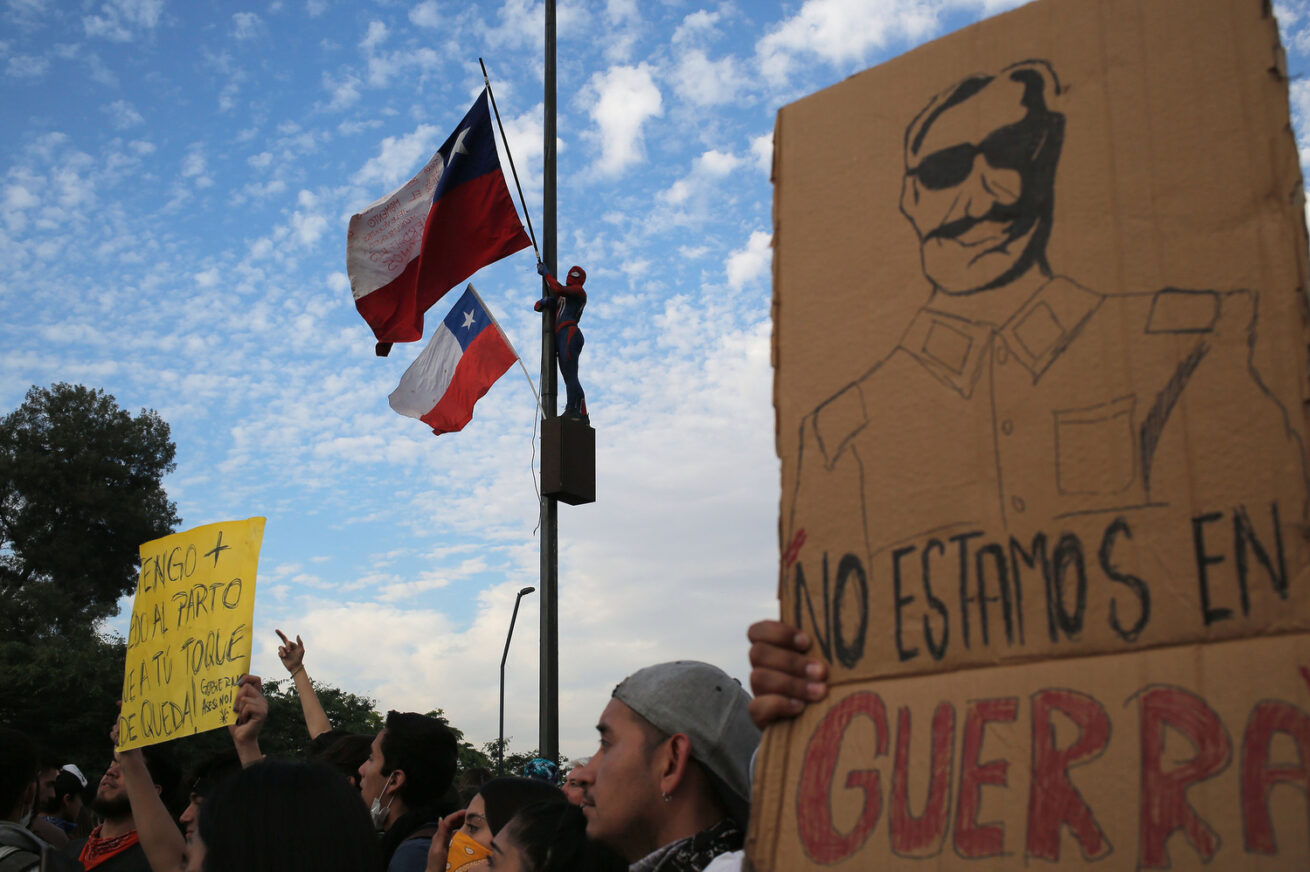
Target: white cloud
[(704, 82), (625, 98), (762, 149), (307, 221), (118, 20), (123, 115), (26, 67), (374, 37), (752, 262), (621, 11), (425, 14), (345, 91), (246, 25), (842, 32), (193, 164), (399, 157), (705, 169), (696, 26)]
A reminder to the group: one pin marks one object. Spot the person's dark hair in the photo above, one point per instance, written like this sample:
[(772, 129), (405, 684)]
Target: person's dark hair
[(471, 782), (552, 837), (210, 772), (425, 749), (347, 754), (66, 784), (165, 773), (18, 766), (326, 739), (279, 815), (505, 797)]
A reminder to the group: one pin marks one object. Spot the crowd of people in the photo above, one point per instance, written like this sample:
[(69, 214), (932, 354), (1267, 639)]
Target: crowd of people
[(667, 790)]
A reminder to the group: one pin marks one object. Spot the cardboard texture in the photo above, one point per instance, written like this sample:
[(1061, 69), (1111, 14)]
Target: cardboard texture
[(1040, 347), (1173, 758), (1040, 342)]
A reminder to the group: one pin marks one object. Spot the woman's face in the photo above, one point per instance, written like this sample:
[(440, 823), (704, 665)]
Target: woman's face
[(194, 857), (505, 855), (475, 822)]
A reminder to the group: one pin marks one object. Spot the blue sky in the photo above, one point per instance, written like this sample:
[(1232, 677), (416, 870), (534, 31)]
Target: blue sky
[(175, 182)]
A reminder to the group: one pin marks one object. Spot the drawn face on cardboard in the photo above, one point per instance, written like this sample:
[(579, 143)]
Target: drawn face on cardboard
[(980, 177)]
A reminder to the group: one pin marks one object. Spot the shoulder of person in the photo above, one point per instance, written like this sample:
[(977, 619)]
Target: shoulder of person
[(16, 859), (411, 855), (729, 862)]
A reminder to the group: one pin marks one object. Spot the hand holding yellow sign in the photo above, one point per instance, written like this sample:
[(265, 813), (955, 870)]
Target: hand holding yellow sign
[(189, 642)]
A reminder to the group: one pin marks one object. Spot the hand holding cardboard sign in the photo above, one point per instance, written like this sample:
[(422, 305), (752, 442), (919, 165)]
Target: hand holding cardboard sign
[(251, 709), (783, 679)]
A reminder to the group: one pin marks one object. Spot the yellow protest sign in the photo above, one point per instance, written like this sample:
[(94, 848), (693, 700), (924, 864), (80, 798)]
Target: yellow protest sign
[(190, 635)]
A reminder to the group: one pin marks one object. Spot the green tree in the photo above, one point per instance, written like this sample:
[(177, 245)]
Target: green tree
[(63, 693), (284, 734), (469, 756), (80, 490), (514, 760)]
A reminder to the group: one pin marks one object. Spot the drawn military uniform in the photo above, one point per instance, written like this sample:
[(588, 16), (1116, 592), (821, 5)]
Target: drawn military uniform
[(1079, 408)]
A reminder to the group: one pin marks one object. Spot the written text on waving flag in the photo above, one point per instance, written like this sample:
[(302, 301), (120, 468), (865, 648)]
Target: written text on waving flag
[(405, 251), (466, 354)]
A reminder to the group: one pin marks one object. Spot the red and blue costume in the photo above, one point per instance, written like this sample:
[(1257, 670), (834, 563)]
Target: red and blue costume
[(570, 299)]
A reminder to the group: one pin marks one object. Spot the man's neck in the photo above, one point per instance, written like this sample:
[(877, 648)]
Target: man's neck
[(995, 306), (112, 828), (684, 823), (396, 811)]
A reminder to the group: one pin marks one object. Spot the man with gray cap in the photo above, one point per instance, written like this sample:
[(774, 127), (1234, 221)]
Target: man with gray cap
[(669, 787)]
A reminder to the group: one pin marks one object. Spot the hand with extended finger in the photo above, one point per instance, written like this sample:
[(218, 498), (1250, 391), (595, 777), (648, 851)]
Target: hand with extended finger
[(292, 654)]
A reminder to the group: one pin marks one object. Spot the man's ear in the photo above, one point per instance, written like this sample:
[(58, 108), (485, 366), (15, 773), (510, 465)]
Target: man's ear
[(397, 777), (159, 789), (29, 795), (676, 757)]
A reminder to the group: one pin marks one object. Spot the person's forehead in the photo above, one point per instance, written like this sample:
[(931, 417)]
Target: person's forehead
[(617, 718), (377, 741), (997, 105)]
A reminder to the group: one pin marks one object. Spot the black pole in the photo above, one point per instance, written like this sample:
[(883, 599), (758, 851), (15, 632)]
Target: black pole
[(548, 746), (500, 745)]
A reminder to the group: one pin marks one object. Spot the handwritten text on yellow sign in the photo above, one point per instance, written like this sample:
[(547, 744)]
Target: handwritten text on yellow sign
[(190, 636)]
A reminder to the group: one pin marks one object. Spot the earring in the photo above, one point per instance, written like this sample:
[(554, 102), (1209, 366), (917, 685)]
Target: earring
[(668, 797)]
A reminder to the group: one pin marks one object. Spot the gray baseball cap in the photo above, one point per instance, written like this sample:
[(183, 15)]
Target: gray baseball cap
[(708, 706)]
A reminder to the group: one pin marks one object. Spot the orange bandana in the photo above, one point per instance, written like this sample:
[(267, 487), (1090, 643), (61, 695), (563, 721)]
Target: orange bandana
[(465, 854)]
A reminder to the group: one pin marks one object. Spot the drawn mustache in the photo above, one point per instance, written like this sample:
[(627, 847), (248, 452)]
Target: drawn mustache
[(1012, 213)]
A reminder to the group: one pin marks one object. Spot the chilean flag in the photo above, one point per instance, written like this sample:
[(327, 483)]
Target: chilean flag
[(404, 252), (464, 357)]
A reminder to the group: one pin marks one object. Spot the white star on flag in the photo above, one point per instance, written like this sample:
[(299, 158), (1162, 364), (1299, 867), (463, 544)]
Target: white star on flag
[(468, 319)]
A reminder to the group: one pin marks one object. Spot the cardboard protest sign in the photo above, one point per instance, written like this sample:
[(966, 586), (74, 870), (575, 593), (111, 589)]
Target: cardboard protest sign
[(1172, 758), (190, 636), (1040, 346)]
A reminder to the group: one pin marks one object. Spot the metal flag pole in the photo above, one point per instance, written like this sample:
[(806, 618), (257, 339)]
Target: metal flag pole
[(548, 745)]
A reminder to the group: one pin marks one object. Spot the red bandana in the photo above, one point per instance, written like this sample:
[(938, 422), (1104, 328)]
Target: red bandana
[(98, 850)]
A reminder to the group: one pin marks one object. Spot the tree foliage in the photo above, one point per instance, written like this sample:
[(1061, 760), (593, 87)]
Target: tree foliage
[(63, 693), (80, 490)]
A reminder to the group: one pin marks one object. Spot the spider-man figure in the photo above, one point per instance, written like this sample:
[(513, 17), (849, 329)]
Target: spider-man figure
[(571, 299)]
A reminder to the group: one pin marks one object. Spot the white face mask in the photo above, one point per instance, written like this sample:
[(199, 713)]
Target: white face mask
[(377, 811)]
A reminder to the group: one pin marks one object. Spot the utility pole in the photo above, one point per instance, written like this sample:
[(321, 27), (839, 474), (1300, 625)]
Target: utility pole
[(548, 743)]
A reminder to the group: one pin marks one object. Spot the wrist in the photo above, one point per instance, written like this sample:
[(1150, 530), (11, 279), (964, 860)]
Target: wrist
[(299, 669)]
